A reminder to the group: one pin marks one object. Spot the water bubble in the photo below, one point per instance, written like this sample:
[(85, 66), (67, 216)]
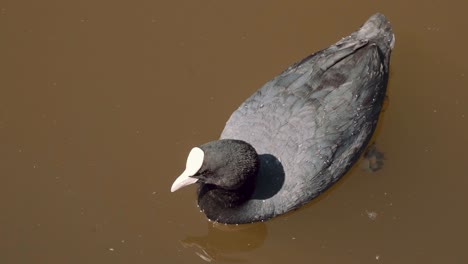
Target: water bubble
[(371, 214)]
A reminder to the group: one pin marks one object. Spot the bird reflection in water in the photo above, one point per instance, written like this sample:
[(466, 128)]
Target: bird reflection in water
[(226, 242)]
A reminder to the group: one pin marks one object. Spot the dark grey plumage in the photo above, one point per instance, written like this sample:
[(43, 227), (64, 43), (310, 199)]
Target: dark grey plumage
[(309, 124)]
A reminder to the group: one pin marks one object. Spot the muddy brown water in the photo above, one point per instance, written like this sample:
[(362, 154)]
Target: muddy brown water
[(101, 102)]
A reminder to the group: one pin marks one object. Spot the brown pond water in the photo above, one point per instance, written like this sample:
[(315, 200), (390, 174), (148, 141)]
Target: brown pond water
[(101, 101)]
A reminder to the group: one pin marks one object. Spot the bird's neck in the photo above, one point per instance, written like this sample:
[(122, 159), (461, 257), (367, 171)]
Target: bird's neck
[(214, 195)]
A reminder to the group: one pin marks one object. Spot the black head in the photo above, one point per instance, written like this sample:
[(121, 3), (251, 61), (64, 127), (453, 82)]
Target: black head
[(226, 164)]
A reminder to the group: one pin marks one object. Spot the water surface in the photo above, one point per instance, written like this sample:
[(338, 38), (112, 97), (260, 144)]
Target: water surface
[(102, 101)]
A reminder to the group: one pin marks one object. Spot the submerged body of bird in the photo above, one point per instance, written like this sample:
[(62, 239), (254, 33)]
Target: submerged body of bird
[(298, 134)]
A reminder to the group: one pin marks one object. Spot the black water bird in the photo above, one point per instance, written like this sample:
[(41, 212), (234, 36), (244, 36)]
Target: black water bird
[(298, 134)]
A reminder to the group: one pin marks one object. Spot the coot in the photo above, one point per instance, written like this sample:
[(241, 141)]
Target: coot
[(298, 134)]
